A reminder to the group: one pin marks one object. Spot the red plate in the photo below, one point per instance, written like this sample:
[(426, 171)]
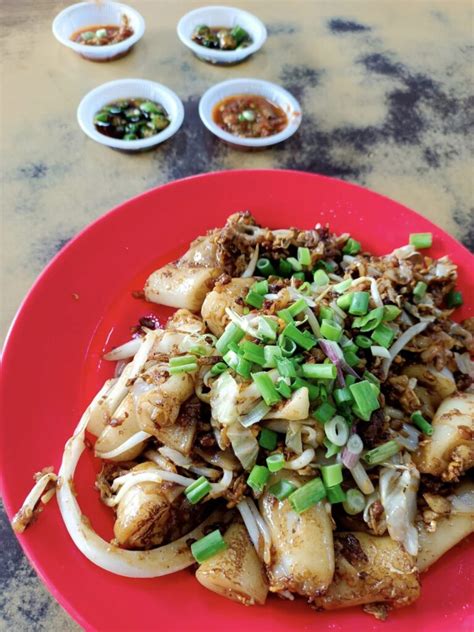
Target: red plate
[(52, 366)]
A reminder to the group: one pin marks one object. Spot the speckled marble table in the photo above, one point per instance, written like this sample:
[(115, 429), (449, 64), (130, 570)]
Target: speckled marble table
[(385, 87)]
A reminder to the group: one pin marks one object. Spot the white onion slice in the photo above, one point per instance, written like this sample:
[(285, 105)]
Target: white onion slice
[(380, 352), (127, 350), (31, 501), (136, 439), (362, 479), (399, 344)]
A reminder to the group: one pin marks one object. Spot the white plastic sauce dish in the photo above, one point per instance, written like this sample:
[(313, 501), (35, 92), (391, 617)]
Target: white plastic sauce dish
[(270, 91), (113, 91), (84, 14), (228, 17)]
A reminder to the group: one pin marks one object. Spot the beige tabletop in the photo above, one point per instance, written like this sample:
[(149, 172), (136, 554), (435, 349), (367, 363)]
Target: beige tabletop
[(385, 87)]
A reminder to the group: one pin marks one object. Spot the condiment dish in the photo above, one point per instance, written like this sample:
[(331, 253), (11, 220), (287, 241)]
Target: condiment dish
[(271, 91), (85, 14), (130, 89), (226, 17)]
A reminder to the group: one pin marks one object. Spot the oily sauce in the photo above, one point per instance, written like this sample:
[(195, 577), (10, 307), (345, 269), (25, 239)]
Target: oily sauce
[(249, 116), (103, 35)]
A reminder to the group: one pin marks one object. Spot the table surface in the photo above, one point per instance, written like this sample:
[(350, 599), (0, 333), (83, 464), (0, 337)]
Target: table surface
[(385, 90)]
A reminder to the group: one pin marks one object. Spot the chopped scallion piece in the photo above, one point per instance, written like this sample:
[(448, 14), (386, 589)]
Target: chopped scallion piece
[(421, 240), (254, 299), (208, 546), (183, 368), (421, 423), (337, 430), (219, 368), (302, 339), (265, 267), (260, 287), (313, 390), (275, 462), (345, 301), (331, 448), (363, 342), (182, 360), (282, 489), (258, 478), (266, 388), (232, 333), (308, 495), (286, 368), (343, 286), (304, 256), (326, 313), (383, 335), (352, 247), (324, 412), (321, 278), (390, 312), (272, 354), (369, 321), (252, 352), (197, 490), (351, 358), (320, 371), (420, 290), (364, 397), (284, 268), (238, 363), (295, 264), (267, 328), (268, 439), (287, 346), (454, 299), (297, 307), (335, 494), (332, 474), (354, 503), (359, 304), (330, 330), (342, 396), (285, 315), (300, 276), (382, 452), (283, 388)]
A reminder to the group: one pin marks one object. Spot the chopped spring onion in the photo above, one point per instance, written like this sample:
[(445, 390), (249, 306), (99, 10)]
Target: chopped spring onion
[(299, 275), (363, 341), (260, 287), (258, 478), (324, 412), (238, 363), (255, 415), (351, 358), (454, 299), (421, 240), (352, 247), (297, 307), (345, 301), (268, 439), (421, 423), (197, 490), (284, 268), (331, 448), (420, 290), (350, 379), (252, 352), (341, 287), (265, 267), (355, 444), (266, 388), (285, 315), (305, 289), (337, 430), (232, 333), (275, 462), (335, 494), (320, 371), (254, 299), (332, 474), (370, 321), (267, 328), (390, 312), (208, 546), (382, 452), (331, 331), (326, 313), (365, 398), (320, 278), (183, 368), (379, 352), (272, 354), (286, 367), (295, 264), (308, 495), (383, 335), (359, 304), (342, 396), (303, 339), (283, 388), (352, 451), (282, 489), (304, 256), (182, 360), (354, 503)]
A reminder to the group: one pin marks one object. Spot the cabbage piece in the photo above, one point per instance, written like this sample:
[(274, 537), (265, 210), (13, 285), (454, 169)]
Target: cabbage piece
[(224, 394), (398, 485), (244, 444)]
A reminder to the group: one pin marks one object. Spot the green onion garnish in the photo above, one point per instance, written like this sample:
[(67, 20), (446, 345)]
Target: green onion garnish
[(282, 489), (345, 301), (321, 278), (421, 423), (283, 388), (295, 264), (266, 388), (284, 268), (287, 346), (363, 342), (320, 371), (232, 333), (341, 287), (286, 368), (260, 287), (330, 330), (275, 462), (272, 354), (342, 396), (369, 321), (454, 299), (354, 503), (302, 339), (313, 390), (352, 247), (382, 452), (383, 335), (252, 352), (326, 313), (324, 412), (268, 439), (267, 328), (308, 495), (285, 315), (258, 478), (265, 267), (390, 312), (304, 256), (208, 546), (254, 299), (421, 240), (364, 397), (298, 275), (359, 304), (297, 307), (332, 474), (183, 368), (238, 363), (335, 494), (219, 368), (182, 360), (420, 290), (197, 490), (331, 448)]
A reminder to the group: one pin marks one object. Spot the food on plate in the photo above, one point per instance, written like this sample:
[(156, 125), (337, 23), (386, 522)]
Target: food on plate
[(131, 119), (103, 35), (221, 37), (249, 116), (302, 425)]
